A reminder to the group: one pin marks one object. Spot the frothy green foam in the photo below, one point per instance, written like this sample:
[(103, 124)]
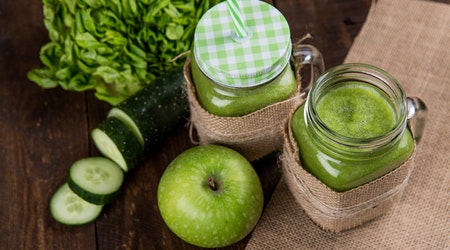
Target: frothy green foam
[(356, 110)]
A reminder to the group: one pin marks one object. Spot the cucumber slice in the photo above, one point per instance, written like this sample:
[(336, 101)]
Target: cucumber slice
[(95, 179), (69, 209), (116, 141), (152, 112)]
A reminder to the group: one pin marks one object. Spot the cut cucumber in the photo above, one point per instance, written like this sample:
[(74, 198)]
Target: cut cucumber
[(95, 179), (116, 141), (152, 112), (68, 208), (126, 119)]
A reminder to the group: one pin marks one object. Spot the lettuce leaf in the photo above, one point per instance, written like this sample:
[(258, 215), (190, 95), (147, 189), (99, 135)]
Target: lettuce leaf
[(114, 47)]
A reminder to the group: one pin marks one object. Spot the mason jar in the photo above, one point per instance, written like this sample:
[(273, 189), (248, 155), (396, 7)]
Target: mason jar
[(355, 126), (237, 76)]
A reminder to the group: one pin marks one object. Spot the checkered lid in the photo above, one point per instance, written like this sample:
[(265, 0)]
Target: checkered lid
[(249, 61)]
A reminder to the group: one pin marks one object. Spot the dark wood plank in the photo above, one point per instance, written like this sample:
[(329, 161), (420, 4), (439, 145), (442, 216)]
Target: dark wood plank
[(41, 133)]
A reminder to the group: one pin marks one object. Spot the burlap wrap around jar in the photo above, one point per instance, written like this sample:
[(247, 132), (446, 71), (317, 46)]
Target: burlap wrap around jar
[(254, 135), (242, 85), (338, 211)]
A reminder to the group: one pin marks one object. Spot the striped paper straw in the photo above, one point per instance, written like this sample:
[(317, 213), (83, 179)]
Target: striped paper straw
[(238, 20)]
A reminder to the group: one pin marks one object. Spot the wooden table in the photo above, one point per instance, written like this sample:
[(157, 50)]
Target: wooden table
[(43, 131)]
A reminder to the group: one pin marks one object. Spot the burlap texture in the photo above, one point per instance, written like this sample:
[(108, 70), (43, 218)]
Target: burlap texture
[(339, 211), (410, 40), (254, 135)]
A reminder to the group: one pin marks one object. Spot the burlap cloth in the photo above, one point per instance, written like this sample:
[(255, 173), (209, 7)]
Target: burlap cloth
[(338, 211), (410, 40), (254, 135)]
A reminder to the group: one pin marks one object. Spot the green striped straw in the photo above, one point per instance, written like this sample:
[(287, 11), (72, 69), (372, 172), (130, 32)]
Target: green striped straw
[(238, 20)]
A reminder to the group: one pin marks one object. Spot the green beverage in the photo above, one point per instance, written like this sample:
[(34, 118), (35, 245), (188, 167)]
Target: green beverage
[(241, 76), (234, 76), (225, 101), (339, 142), (356, 110)]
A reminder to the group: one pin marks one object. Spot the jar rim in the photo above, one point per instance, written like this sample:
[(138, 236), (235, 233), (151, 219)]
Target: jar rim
[(363, 73)]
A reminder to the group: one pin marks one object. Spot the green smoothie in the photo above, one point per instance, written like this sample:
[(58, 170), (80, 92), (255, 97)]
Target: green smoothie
[(353, 110), (236, 75), (356, 110), (225, 101)]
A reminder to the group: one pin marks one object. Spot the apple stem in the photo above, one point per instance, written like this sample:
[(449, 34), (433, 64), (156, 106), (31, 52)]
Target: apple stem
[(212, 184)]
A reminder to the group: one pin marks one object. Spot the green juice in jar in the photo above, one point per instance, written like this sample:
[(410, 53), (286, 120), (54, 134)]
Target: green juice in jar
[(235, 76), (352, 110), (227, 101)]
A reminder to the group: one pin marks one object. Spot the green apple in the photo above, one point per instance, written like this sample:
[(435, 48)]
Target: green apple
[(210, 196)]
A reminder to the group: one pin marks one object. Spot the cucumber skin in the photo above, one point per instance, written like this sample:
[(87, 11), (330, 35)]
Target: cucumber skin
[(90, 197), (158, 107), (127, 144), (97, 199)]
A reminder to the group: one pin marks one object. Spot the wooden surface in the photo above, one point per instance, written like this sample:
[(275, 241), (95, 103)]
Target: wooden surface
[(43, 131)]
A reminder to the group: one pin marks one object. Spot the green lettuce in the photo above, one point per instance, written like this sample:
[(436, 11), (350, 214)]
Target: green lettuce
[(114, 47)]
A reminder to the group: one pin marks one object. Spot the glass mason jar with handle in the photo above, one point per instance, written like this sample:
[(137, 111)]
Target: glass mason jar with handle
[(241, 89), (236, 76), (353, 127)]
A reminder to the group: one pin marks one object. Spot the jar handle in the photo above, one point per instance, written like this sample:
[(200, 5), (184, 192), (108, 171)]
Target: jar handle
[(308, 54), (417, 115)]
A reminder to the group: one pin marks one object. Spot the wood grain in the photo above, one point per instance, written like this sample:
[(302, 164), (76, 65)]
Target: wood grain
[(43, 131)]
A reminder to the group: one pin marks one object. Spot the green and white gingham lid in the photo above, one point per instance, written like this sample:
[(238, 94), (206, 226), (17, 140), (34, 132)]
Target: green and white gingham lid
[(248, 62)]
